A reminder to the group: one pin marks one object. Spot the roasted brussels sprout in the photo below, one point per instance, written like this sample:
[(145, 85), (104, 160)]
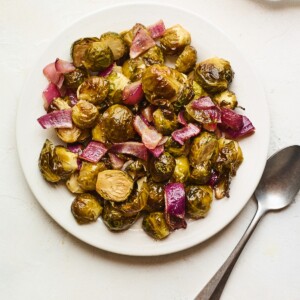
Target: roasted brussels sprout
[(94, 89), (214, 74), (174, 40), (222, 186), (97, 57), (79, 48), (185, 95), (107, 182), (117, 83), (161, 168), (175, 148), (69, 135), (45, 162), (226, 99), (201, 173), (186, 61), (84, 114), (75, 78), (156, 200), (73, 185), (98, 131), (165, 123), (134, 68), (115, 42), (118, 123), (153, 56), (86, 208), (128, 35), (114, 219), (154, 225), (182, 169), (136, 169), (59, 104), (88, 174), (198, 90), (198, 200)]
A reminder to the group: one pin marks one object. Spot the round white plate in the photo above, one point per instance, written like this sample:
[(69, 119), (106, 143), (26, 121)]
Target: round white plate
[(209, 41)]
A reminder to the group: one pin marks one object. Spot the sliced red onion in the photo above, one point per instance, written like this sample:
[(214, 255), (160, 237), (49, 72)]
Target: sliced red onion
[(116, 162), (132, 148), (128, 162), (52, 75), (49, 94), (107, 71), (203, 103), (150, 136), (231, 119), (93, 152), (75, 148), (214, 178), (133, 93), (157, 30), (63, 66), (72, 96), (163, 140), (185, 133), (247, 129), (142, 41), (181, 118), (147, 113), (57, 119), (175, 205), (158, 151)]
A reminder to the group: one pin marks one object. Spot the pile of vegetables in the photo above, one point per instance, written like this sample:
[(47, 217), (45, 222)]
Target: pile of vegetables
[(141, 138)]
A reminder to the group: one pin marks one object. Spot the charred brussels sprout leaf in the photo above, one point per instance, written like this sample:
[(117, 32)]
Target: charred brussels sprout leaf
[(117, 83), (162, 168), (214, 74), (73, 185), (118, 123), (107, 182), (155, 225), (222, 187), (84, 114), (198, 201), (156, 200), (134, 68), (75, 78), (86, 208), (136, 169), (165, 123), (174, 40), (153, 56), (186, 61), (226, 99), (94, 89), (182, 169)]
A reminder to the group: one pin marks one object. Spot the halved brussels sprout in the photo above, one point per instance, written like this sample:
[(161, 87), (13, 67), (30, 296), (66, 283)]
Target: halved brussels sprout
[(162, 167), (198, 90), (114, 185), (117, 83), (154, 225), (153, 56), (226, 99), (116, 43), (134, 68), (93, 89), (198, 200), (73, 185), (98, 131), (156, 200), (174, 40), (182, 169), (75, 78), (88, 174), (78, 50), (222, 186), (175, 148), (97, 57), (165, 123), (186, 61), (59, 104), (185, 95), (118, 123), (69, 135), (214, 74), (86, 208), (201, 173), (84, 114)]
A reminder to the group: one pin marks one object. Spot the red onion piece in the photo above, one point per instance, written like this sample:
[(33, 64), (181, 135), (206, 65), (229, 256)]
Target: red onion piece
[(203, 103), (72, 96), (142, 41), (57, 119), (63, 66), (175, 205), (133, 93), (93, 152), (231, 119), (163, 140), (150, 137), (132, 148), (116, 162), (185, 133), (52, 75), (158, 151), (147, 113), (214, 178), (75, 148), (247, 129), (49, 94), (106, 71), (181, 119), (157, 30)]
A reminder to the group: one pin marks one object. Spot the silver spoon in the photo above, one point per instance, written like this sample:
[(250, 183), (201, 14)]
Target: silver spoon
[(276, 190)]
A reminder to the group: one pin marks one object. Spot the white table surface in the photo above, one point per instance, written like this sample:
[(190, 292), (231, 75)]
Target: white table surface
[(40, 260)]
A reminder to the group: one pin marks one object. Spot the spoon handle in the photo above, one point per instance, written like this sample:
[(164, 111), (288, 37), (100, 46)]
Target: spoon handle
[(214, 288)]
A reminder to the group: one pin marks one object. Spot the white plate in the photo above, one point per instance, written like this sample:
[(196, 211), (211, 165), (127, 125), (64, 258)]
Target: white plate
[(209, 41)]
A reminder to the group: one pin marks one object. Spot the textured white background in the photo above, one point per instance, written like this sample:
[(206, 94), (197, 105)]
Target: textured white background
[(39, 260)]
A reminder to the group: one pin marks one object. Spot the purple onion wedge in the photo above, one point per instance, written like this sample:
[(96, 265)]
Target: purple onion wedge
[(132, 148), (246, 130), (57, 119), (231, 119), (185, 133), (93, 152), (49, 94)]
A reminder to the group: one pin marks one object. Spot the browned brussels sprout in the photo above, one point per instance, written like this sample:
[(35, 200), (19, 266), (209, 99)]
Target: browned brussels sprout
[(86, 208), (175, 148), (118, 123), (201, 173), (198, 90), (107, 182), (198, 200), (226, 99), (128, 35), (222, 187), (97, 57), (165, 123), (174, 40), (114, 219), (182, 169), (94, 89), (117, 82), (116, 43), (156, 200), (73, 185), (69, 135), (88, 174), (75, 78), (185, 95), (186, 61), (153, 56), (98, 131), (214, 74), (45, 162), (78, 50), (154, 225), (136, 169), (134, 68), (59, 104), (84, 114), (161, 168)]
